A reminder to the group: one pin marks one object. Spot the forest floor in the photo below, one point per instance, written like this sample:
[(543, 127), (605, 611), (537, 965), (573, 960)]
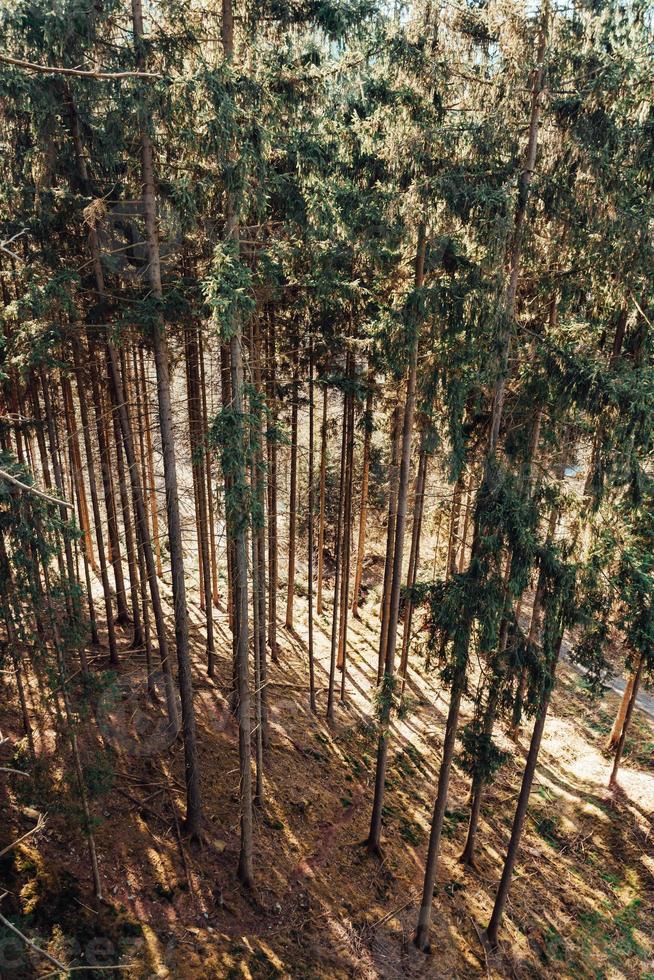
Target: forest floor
[(581, 903)]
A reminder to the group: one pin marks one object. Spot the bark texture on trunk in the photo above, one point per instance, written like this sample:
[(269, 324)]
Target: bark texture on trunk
[(521, 809), (374, 837), (162, 366), (292, 505), (321, 501), (363, 509)]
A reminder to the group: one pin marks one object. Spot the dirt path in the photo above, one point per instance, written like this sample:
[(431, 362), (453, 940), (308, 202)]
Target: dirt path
[(644, 701)]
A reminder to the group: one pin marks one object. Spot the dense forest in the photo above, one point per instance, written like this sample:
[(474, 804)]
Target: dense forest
[(326, 488)]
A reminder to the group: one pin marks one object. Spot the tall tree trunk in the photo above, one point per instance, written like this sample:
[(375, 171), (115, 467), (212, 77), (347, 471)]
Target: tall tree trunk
[(424, 918), (439, 523), (239, 530), (594, 469), (431, 865), (118, 393), (70, 722), (95, 504), (192, 439), (388, 681), (116, 384), (321, 501), (13, 645), (149, 457), (257, 627), (199, 478), (347, 534), (58, 476), (312, 680), (147, 568), (393, 476), (496, 664), (107, 482), (20, 687), (455, 514), (337, 574), (618, 724), (259, 530), (534, 624), (215, 592), (414, 559), (477, 789), (162, 365), (363, 510), (138, 639), (40, 436), (76, 467), (80, 495), (271, 443), (466, 524), (292, 506), (521, 808), (623, 734), (240, 585), (226, 401)]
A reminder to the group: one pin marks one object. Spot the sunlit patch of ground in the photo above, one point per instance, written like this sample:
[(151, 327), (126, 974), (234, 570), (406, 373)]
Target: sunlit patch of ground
[(580, 905)]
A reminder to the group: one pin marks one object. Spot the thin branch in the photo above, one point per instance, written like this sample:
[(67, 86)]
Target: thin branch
[(39, 825), (3, 245), (641, 311), (70, 969), (78, 72), (39, 493), (37, 949)]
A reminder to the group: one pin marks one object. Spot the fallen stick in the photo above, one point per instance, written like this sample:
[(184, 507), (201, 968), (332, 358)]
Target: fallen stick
[(39, 825), (37, 949), (69, 969)]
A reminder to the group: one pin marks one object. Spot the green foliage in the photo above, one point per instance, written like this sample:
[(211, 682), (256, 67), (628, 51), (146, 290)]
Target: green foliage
[(228, 289), (385, 699), (480, 756)]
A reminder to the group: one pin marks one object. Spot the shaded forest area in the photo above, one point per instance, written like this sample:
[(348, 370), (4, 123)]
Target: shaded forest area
[(326, 527)]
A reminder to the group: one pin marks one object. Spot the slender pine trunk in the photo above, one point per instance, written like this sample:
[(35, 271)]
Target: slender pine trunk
[(321, 502), (625, 727), (70, 724), (618, 724), (138, 638), (414, 559), (521, 808), (80, 495), (347, 535), (422, 931), (226, 402), (215, 591), (390, 539), (271, 445), (466, 524), (455, 515), (312, 679), (122, 618), (149, 458), (259, 529), (199, 477), (363, 509), (239, 531), (388, 680), (292, 505), (95, 504), (162, 366), (337, 575)]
